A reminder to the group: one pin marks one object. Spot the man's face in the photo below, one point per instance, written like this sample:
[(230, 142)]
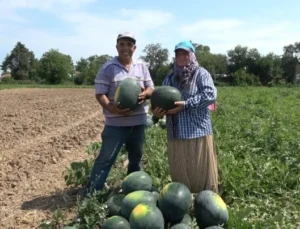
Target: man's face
[(125, 48)]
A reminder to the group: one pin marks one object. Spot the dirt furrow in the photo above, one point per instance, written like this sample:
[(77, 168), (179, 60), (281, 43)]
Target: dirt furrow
[(31, 180)]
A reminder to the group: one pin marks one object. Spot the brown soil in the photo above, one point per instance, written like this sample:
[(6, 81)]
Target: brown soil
[(41, 132)]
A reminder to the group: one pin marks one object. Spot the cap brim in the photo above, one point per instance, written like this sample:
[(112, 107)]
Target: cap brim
[(127, 38), (184, 48)]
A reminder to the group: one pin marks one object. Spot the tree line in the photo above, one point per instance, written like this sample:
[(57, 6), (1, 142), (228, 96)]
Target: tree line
[(240, 66)]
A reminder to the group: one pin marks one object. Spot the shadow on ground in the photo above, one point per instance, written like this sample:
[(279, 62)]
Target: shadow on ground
[(63, 199)]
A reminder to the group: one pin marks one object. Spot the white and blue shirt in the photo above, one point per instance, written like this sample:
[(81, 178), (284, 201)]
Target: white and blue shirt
[(194, 120)]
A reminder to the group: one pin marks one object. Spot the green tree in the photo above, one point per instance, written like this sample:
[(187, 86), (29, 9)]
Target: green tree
[(237, 58), (155, 56), (269, 69), (21, 63), (290, 59), (214, 63), (242, 77), (89, 67), (55, 67)]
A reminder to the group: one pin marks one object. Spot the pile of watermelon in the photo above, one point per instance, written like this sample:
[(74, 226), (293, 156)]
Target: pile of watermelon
[(139, 205)]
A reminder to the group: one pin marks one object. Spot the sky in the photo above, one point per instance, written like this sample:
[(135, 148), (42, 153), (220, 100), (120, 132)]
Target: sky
[(81, 28)]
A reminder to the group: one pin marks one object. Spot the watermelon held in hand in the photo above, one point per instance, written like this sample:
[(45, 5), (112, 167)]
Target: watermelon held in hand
[(210, 209), (136, 181), (174, 201), (127, 93), (115, 222), (131, 200), (145, 216), (165, 97)]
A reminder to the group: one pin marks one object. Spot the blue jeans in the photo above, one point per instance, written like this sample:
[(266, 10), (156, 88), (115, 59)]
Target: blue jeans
[(113, 138)]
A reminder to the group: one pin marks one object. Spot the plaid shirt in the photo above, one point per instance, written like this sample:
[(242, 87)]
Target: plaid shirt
[(194, 120)]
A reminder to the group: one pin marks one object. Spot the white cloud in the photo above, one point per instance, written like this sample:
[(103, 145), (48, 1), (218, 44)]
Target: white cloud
[(211, 25), (147, 19), (9, 8), (222, 35), (90, 33), (95, 34)]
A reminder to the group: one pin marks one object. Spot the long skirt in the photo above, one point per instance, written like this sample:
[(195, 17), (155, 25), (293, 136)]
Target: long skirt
[(193, 162)]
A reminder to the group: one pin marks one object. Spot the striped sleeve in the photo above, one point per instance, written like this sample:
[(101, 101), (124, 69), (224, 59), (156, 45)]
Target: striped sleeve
[(208, 92), (102, 81)]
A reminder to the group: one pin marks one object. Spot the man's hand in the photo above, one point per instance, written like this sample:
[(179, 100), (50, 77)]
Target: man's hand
[(142, 96), (180, 105), (114, 109)]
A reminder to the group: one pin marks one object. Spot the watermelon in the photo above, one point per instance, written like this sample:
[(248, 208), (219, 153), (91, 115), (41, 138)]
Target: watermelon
[(165, 97), (155, 119), (162, 123), (115, 222), (127, 93), (174, 201), (187, 219), (214, 227), (135, 181), (180, 226), (149, 121), (145, 216), (210, 209), (114, 204), (156, 195), (131, 200)]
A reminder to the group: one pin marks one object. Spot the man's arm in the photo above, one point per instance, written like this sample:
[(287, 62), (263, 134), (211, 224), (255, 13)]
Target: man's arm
[(103, 101), (112, 108)]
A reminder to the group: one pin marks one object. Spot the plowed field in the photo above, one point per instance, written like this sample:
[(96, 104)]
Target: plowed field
[(41, 132)]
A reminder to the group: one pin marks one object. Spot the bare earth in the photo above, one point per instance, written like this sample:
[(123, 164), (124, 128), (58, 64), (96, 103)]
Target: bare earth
[(41, 132)]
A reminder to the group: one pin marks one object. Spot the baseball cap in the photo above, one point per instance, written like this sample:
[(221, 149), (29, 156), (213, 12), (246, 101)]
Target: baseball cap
[(186, 45), (126, 35)]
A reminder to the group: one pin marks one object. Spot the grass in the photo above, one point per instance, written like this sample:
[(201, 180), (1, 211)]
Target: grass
[(257, 134)]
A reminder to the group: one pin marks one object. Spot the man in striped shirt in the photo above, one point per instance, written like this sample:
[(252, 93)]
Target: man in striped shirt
[(122, 126)]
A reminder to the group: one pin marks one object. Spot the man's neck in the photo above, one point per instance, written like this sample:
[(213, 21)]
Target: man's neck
[(125, 63)]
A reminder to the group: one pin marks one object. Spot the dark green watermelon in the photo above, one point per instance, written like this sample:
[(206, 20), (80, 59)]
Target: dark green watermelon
[(115, 222), (210, 209), (214, 227), (187, 219), (155, 119), (180, 226), (174, 201), (132, 199), (136, 181), (165, 97), (114, 204), (149, 122), (145, 216), (127, 93)]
